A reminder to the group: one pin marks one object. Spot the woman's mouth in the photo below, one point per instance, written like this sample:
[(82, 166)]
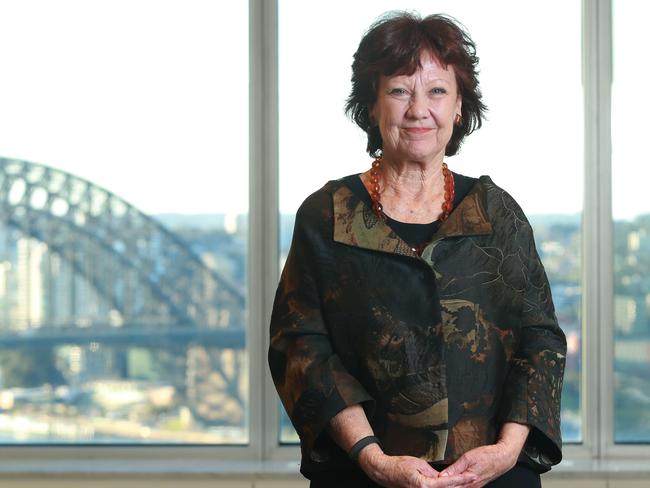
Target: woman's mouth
[(417, 130)]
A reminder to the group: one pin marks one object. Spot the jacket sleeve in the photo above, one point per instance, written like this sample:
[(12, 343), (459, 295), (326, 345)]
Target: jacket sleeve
[(534, 383), (308, 375)]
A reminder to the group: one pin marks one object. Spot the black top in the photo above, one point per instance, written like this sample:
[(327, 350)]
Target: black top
[(412, 234)]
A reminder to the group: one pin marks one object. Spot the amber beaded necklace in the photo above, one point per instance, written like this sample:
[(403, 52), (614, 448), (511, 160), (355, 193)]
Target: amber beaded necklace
[(377, 207)]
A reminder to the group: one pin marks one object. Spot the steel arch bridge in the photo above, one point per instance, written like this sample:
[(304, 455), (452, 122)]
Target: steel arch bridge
[(79, 220), (156, 290)]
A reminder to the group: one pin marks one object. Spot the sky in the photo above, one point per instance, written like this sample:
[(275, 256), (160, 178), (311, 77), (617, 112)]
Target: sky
[(149, 98)]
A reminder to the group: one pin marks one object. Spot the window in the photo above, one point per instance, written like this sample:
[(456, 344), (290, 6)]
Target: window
[(137, 269), (538, 141), (123, 237), (631, 212)]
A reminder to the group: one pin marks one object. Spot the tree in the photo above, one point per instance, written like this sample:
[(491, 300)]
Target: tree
[(28, 368)]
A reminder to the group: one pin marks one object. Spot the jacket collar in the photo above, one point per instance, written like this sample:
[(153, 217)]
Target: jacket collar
[(355, 224)]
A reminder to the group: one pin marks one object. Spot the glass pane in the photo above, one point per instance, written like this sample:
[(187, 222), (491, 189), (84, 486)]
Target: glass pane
[(122, 246), (532, 140), (631, 209)]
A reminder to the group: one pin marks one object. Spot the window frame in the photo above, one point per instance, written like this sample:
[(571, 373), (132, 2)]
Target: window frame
[(604, 72), (597, 240), (263, 268), (598, 244), (597, 403)]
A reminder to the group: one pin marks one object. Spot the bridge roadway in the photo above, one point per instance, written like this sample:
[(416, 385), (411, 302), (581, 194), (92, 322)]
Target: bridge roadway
[(126, 335)]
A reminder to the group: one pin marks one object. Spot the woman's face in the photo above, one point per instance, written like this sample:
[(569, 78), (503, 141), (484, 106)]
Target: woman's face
[(416, 113)]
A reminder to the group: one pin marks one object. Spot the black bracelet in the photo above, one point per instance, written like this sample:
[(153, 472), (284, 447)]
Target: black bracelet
[(360, 444)]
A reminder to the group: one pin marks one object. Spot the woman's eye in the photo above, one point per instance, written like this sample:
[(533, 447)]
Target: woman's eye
[(397, 91), (438, 91)]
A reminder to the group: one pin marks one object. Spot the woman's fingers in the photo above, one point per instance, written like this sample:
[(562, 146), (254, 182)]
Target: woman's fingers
[(407, 472), (460, 466), (486, 462), (456, 480), (426, 469)]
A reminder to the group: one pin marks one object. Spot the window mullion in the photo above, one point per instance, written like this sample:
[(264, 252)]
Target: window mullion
[(605, 301), (264, 192), (597, 352)]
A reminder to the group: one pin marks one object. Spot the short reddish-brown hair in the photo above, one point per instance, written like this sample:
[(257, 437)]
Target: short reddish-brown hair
[(393, 46)]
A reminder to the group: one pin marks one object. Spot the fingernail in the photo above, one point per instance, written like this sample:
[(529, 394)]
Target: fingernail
[(444, 473)]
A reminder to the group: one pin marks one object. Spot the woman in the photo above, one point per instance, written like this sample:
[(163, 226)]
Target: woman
[(413, 337)]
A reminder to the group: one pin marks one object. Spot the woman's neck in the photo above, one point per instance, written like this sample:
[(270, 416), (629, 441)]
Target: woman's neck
[(417, 182), (410, 191)]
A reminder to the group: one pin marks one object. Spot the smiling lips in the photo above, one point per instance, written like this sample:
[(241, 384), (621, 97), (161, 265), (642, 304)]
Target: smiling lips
[(417, 130)]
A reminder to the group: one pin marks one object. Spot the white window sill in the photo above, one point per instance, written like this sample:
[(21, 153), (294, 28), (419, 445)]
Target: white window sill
[(568, 469)]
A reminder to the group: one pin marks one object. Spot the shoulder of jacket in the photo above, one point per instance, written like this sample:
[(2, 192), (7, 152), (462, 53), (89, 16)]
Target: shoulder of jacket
[(498, 197), (316, 209), (501, 205)]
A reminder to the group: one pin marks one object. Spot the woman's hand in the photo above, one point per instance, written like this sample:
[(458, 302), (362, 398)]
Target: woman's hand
[(490, 462), (486, 462), (406, 471)]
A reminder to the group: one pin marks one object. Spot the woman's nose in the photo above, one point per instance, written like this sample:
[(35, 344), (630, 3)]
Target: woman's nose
[(418, 108)]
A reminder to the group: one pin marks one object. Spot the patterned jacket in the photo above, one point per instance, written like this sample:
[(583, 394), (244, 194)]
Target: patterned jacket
[(439, 349)]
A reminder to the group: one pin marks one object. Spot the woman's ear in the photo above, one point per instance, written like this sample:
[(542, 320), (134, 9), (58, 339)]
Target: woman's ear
[(458, 117), (371, 117)]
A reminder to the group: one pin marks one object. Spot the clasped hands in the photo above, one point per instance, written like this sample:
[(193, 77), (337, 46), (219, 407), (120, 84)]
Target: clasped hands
[(473, 469)]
